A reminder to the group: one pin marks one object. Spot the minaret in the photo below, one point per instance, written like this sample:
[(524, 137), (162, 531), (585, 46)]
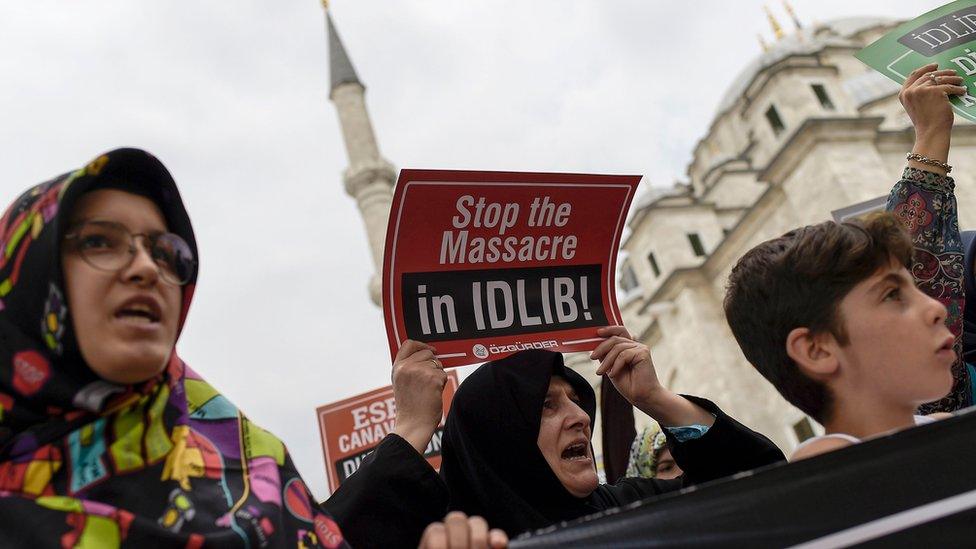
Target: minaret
[(369, 178)]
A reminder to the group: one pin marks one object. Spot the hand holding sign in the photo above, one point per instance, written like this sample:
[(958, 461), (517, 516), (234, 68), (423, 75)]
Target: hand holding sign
[(418, 383), (353, 427), (944, 37), (925, 97), (629, 366)]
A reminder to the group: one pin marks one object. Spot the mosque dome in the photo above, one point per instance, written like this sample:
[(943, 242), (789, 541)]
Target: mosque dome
[(807, 41)]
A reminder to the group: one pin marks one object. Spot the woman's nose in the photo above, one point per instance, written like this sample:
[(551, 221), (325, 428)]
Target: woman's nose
[(142, 267), (577, 418)]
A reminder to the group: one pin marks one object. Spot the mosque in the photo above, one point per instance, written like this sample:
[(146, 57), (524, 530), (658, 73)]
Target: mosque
[(804, 132)]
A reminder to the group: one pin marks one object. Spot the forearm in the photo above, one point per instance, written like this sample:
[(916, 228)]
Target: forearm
[(672, 410), (740, 448), (933, 145), (417, 434)]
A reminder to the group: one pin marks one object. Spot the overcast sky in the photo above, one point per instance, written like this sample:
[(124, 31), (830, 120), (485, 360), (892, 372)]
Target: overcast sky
[(233, 98)]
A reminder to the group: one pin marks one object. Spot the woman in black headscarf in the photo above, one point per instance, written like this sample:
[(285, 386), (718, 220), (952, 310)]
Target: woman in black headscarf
[(516, 446)]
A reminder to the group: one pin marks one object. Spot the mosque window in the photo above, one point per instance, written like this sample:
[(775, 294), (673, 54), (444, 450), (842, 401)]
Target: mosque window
[(772, 116), (654, 266), (803, 430), (696, 244), (628, 280), (821, 92)]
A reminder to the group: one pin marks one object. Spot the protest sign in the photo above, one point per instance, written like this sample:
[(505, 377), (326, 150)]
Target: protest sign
[(351, 428), (945, 35), (484, 264)]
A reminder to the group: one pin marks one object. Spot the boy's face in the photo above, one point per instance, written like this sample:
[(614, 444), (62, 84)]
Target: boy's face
[(899, 347)]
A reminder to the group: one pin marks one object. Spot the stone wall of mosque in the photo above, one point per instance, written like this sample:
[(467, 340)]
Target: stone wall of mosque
[(838, 164), (754, 176)]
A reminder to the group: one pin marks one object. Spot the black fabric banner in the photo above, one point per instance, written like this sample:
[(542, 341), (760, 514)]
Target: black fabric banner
[(916, 488)]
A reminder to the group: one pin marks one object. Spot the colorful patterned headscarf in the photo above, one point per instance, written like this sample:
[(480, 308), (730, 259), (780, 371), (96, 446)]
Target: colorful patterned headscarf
[(86, 463), (646, 451)]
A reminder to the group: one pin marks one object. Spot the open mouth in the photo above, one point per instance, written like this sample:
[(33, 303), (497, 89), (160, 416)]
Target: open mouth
[(947, 345), (575, 452), (139, 310)]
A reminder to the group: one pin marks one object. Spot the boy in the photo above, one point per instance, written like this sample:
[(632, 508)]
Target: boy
[(849, 321)]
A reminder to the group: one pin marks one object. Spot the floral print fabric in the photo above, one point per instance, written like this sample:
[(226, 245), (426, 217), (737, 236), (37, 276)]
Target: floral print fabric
[(925, 204)]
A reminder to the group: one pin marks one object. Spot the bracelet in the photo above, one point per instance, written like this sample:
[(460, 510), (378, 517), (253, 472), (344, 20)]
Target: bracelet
[(926, 160)]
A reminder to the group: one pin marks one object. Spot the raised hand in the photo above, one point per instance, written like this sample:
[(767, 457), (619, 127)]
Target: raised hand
[(629, 366), (418, 383), (459, 531), (925, 96)]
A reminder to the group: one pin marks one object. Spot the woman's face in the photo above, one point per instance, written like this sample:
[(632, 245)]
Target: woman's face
[(564, 439), (666, 468), (125, 321)]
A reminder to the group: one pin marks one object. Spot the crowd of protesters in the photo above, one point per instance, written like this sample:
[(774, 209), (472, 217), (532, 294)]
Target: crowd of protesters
[(107, 437)]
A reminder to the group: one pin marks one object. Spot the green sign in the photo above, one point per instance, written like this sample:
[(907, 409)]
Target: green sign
[(945, 35)]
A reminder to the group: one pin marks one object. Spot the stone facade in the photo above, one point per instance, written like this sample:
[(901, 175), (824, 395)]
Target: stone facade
[(806, 129)]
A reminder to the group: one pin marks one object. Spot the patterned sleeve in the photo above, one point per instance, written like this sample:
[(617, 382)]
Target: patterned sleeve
[(925, 204)]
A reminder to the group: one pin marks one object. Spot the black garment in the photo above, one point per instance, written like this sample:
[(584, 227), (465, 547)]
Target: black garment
[(493, 467), (389, 501), (491, 459)]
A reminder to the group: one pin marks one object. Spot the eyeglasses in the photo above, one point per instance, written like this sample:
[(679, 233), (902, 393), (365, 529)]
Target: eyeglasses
[(109, 246)]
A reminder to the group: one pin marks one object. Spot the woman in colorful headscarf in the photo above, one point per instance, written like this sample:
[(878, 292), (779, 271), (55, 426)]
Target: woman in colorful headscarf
[(107, 438), (650, 456)]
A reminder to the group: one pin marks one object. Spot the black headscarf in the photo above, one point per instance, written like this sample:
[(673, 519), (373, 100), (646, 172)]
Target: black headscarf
[(491, 460)]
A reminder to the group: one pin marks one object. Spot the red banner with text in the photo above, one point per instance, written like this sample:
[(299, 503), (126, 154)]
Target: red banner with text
[(483, 264), (351, 428)]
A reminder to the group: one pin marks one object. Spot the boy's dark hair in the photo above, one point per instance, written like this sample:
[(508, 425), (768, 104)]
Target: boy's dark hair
[(798, 280)]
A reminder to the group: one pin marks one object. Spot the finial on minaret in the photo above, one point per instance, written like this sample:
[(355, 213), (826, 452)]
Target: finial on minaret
[(341, 70), (789, 10), (777, 30), (762, 43)]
